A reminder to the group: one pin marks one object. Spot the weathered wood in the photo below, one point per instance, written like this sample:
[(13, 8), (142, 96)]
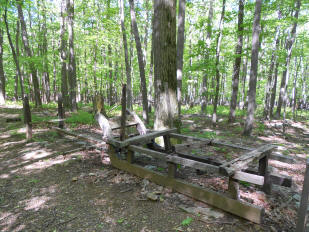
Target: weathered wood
[(241, 209), (197, 158), (193, 164), (167, 144), (281, 158), (302, 210), (116, 127), (130, 156), (250, 178), (195, 145), (139, 139), (172, 169), (155, 154), (27, 118), (242, 162), (233, 188), (263, 171), (16, 119), (61, 113), (141, 128), (123, 113)]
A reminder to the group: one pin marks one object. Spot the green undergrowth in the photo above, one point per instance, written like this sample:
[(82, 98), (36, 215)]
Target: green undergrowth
[(81, 117)]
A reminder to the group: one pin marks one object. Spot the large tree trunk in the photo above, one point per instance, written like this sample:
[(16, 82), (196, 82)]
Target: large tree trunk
[(63, 57), (180, 48), (219, 39), (2, 76), (164, 32), (72, 62), (46, 80), (254, 68), (238, 52), (37, 95), (140, 62), (126, 56), (285, 74), (274, 89)]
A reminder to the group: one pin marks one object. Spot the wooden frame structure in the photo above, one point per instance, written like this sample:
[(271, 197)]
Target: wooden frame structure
[(236, 170)]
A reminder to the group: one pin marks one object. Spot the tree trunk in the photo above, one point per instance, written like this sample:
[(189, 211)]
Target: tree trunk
[(219, 38), (164, 32), (294, 91), (37, 95), (2, 76), (285, 74), (180, 48), (208, 41), (273, 90), (72, 62), (63, 57), (254, 68), (126, 56), (237, 63), (140, 62)]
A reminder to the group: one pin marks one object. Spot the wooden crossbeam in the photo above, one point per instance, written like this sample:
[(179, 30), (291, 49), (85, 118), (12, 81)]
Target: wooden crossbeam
[(245, 210), (155, 154), (242, 162), (139, 139)]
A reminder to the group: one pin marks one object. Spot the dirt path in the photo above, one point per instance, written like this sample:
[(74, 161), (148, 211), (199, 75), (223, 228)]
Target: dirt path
[(43, 190)]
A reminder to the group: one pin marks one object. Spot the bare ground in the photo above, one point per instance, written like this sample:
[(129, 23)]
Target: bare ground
[(44, 187)]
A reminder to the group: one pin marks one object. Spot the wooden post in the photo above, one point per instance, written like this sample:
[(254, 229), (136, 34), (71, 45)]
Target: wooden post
[(167, 143), (60, 111), (302, 210), (130, 156), (172, 168), (27, 118), (263, 171), (233, 188), (123, 113)]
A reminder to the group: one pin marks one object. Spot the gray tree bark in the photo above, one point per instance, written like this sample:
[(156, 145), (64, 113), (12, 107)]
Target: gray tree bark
[(126, 56), (164, 32), (2, 76), (285, 74), (254, 67), (37, 95), (180, 48), (238, 52), (72, 62), (140, 62), (219, 39)]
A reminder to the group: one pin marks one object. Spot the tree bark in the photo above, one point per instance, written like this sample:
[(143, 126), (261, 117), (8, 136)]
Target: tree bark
[(285, 74), (72, 62), (180, 48), (2, 76), (274, 90), (63, 57), (238, 54), (164, 32), (37, 95), (46, 80), (254, 68), (126, 56), (219, 38), (140, 62)]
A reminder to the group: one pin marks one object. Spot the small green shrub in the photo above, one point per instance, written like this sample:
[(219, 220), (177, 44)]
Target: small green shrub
[(186, 222), (81, 117)]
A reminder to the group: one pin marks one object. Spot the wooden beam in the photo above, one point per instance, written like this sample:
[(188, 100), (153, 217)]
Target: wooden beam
[(281, 158), (155, 154), (242, 162), (123, 113), (245, 210), (116, 127), (140, 139), (250, 178)]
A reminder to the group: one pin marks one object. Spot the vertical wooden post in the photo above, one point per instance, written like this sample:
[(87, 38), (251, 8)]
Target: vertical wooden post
[(123, 113), (27, 118), (302, 210), (130, 156), (60, 111), (172, 168), (167, 143), (233, 188), (263, 171)]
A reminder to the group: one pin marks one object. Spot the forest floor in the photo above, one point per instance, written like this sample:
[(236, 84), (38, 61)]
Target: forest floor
[(52, 183)]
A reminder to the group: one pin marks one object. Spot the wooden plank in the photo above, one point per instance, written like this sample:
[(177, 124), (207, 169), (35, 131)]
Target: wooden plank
[(140, 139), (233, 188), (263, 171), (186, 137), (193, 164), (281, 158), (242, 162), (116, 127), (250, 178), (302, 210), (155, 154), (245, 210)]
